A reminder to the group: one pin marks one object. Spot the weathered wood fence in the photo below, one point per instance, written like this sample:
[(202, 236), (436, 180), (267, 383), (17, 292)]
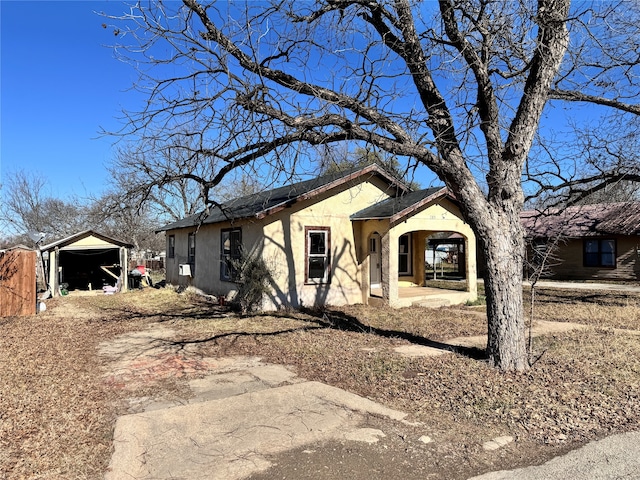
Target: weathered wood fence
[(17, 282)]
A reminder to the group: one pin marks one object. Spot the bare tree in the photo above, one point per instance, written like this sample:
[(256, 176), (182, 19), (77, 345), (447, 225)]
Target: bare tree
[(111, 216), (540, 259), (336, 160), (26, 207), (163, 178), (458, 87), (597, 164)]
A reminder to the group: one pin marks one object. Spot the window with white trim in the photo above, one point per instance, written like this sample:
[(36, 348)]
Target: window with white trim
[(317, 255), (404, 255)]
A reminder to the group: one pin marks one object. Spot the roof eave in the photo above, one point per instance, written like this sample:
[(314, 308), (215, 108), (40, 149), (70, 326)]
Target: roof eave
[(72, 238), (373, 168)]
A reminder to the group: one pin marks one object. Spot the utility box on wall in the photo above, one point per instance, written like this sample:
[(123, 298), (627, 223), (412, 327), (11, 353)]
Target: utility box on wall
[(184, 270)]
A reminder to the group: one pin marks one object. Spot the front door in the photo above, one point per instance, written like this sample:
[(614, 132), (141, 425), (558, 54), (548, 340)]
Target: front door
[(375, 261)]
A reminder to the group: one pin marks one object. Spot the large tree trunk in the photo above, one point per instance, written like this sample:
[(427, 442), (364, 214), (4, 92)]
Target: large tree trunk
[(503, 245)]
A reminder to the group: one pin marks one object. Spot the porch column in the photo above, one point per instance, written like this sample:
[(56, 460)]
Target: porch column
[(390, 268), (471, 268), (419, 257)]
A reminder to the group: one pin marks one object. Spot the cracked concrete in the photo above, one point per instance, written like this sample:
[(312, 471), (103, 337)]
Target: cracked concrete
[(241, 411)]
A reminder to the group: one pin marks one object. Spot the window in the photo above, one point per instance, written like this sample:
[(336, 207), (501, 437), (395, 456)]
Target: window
[(230, 253), (191, 249), (317, 248), (171, 246), (404, 254), (600, 252)]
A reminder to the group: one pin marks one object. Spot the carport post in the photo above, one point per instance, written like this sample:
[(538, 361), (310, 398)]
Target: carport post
[(124, 270), (54, 273)]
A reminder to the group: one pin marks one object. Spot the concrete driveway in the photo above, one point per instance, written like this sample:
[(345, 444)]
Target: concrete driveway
[(240, 413), (613, 458)]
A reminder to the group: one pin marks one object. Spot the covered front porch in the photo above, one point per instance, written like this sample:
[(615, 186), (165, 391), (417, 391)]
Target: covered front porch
[(397, 235)]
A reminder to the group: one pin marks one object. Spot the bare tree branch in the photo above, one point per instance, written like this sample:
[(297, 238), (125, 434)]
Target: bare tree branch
[(459, 88)]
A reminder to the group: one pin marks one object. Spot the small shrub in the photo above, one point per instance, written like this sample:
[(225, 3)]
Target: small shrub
[(253, 277)]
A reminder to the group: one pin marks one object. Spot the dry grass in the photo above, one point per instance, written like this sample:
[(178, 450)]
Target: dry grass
[(57, 412), (595, 308)]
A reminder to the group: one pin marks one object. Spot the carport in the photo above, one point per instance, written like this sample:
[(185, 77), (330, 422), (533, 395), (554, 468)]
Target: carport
[(86, 261)]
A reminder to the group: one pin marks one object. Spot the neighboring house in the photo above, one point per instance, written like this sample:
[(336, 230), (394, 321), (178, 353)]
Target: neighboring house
[(594, 242), (347, 238), (86, 261)]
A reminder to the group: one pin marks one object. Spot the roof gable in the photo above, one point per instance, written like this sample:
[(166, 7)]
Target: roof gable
[(263, 204), (403, 205), (104, 241), (584, 220)]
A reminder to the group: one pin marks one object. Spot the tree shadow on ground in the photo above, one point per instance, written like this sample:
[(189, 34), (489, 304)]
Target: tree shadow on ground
[(341, 321), (315, 319), (336, 320)]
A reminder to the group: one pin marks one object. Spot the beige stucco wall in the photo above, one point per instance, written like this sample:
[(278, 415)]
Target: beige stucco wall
[(180, 256), (284, 247), (280, 239)]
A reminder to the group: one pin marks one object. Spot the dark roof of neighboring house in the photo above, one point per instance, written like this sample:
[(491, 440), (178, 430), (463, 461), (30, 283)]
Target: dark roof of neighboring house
[(262, 204), (584, 221), (394, 208), (77, 236)]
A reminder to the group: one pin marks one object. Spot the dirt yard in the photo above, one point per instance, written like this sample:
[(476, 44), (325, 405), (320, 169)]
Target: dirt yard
[(59, 397)]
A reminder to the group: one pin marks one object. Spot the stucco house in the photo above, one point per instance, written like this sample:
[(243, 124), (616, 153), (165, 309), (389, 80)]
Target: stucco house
[(354, 237), (594, 242)]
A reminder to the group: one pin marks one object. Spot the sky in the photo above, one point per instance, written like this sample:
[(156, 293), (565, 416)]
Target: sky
[(60, 85)]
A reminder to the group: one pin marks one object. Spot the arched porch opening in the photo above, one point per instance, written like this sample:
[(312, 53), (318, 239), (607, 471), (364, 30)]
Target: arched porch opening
[(408, 277), (445, 261)]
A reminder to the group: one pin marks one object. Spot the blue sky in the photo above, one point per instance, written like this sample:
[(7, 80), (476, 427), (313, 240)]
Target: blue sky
[(60, 83)]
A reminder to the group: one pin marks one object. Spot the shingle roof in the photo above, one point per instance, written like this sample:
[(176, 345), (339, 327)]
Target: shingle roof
[(584, 221), (401, 205), (265, 203)]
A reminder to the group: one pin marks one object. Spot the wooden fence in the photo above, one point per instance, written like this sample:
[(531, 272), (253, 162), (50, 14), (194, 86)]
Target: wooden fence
[(17, 283)]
